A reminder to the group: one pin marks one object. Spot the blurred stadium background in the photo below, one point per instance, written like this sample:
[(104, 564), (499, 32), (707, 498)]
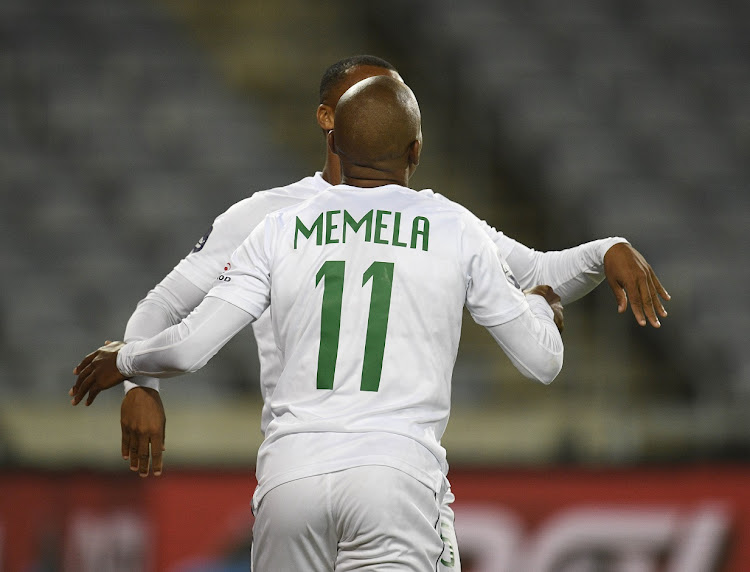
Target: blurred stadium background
[(127, 126)]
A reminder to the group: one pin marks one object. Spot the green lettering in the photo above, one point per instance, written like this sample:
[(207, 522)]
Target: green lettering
[(355, 225), (379, 226), (332, 274), (306, 232), (422, 230), (330, 226), (381, 274), (396, 229)]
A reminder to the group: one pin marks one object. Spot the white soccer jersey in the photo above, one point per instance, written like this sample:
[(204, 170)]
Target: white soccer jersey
[(367, 288), (572, 273)]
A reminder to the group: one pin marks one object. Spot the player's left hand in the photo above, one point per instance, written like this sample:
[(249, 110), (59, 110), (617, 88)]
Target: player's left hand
[(632, 278), (143, 424), (96, 372)]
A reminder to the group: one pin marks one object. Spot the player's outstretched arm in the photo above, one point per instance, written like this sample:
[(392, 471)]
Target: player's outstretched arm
[(632, 278), (576, 271), (143, 424), (183, 348)]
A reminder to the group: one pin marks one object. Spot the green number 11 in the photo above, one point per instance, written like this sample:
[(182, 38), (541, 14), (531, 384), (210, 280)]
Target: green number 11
[(332, 271)]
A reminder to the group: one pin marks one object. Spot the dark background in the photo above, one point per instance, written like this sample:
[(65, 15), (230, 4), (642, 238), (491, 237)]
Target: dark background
[(127, 126)]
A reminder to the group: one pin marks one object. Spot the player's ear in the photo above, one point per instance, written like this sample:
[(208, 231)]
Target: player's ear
[(415, 150), (325, 117), (331, 142)]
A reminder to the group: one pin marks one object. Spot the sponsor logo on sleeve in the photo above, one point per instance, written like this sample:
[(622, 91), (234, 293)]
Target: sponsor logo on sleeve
[(202, 242), (222, 277)]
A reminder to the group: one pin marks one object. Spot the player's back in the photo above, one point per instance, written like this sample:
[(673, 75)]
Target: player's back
[(367, 293), (366, 289), (366, 299)]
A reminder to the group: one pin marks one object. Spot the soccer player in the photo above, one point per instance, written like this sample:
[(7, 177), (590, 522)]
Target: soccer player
[(366, 283), (572, 273)]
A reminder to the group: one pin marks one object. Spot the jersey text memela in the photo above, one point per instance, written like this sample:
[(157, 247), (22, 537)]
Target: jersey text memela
[(380, 227)]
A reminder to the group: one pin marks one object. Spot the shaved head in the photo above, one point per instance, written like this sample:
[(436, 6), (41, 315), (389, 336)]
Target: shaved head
[(377, 124), (335, 81)]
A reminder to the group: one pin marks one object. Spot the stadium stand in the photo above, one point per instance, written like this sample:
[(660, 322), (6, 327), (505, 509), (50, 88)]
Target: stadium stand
[(633, 117), (118, 146), (120, 140)]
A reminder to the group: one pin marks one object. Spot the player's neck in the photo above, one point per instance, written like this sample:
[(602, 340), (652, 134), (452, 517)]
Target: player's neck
[(332, 169), (369, 180), (361, 176)]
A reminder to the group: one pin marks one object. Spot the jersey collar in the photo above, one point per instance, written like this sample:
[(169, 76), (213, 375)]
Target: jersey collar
[(319, 182)]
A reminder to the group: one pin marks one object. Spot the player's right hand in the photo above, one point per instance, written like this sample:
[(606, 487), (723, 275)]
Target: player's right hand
[(554, 302), (143, 423), (96, 372)]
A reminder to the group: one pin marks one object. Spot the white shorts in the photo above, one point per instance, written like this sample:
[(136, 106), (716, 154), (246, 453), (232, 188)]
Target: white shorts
[(369, 518)]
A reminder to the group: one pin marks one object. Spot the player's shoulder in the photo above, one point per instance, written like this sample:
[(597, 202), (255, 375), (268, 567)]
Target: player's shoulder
[(302, 203), (300, 190), (270, 200), (441, 201), (471, 228), (460, 211), (452, 210)]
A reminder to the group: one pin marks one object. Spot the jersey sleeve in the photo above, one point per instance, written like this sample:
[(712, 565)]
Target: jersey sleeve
[(532, 341), (240, 297), (522, 325), (165, 305), (493, 296), (572, 273), (247, 283), (214, 249), (187, 346)]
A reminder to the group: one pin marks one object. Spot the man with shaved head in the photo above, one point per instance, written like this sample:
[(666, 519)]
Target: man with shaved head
[(366, 284)]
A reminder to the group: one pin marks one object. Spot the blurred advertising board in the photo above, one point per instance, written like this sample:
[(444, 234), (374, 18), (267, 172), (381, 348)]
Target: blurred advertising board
[(689, 519)]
